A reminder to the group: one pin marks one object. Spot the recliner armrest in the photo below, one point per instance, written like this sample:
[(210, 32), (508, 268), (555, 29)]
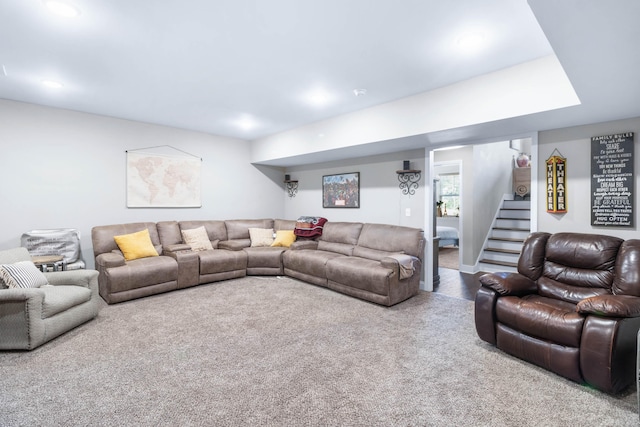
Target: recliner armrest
[(176, 248), (110, 259), (509, 283), (610, 306), (404, 264)]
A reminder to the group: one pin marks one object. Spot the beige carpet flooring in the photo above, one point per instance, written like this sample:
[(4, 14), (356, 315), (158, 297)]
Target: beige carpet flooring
[(279, 352)]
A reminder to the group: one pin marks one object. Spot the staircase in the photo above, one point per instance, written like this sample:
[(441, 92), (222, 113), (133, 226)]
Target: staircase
[(503, 246)]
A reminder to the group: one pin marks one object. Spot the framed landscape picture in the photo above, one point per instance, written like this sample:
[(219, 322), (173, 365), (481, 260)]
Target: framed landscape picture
[(341, 190)]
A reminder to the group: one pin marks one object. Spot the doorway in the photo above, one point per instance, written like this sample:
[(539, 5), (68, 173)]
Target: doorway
[(448, 196)]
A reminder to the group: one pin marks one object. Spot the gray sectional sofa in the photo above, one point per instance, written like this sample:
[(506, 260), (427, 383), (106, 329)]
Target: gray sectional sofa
[(375, 262)]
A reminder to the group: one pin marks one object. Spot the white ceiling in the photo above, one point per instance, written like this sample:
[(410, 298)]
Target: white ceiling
[(205, 65)]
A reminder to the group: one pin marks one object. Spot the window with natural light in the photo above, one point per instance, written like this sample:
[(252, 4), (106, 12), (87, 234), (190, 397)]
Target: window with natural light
[(449, 190)]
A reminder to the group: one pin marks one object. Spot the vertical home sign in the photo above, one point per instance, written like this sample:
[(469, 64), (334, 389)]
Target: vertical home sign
[(612, 182), (556, 184)]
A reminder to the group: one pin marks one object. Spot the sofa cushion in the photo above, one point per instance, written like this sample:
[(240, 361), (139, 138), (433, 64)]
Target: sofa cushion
[(136, 245), (239, 228), (392, 238), (220, 261), (22, 274), (339, 248), (341, 232), (261, 237), (269, 257), (63, 297), (308, 261), (142, 272), (360, 273), (197, 239), (545, 318), (284, 238)]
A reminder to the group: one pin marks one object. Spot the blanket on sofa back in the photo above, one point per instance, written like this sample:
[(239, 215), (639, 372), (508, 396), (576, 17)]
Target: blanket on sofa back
[(309, 226)]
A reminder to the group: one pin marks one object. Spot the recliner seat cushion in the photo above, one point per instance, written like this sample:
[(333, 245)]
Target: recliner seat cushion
[(264, 256), (309, 261), (360, 273), (544, 318), (142, 272), (221, 260)]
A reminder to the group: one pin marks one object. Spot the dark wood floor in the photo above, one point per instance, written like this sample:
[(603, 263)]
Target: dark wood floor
[(457, 284)]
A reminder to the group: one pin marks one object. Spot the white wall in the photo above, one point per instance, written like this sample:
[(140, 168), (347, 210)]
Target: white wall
[(381, 199), (575, 144), (65, 169)]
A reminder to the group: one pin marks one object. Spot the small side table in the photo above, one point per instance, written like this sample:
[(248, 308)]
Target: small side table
[(56, 262)]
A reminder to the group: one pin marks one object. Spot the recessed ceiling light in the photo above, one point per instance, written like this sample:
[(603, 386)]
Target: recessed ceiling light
[(52, 84), (359, 92), (61, 8), (471, 40), (246, 123), (319, 97)]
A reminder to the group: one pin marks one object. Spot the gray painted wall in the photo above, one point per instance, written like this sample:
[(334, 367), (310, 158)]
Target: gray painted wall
[(66, 169), (381, 199), (575, 144)]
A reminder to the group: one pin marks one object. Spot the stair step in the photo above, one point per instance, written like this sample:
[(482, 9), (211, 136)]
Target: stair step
[(512, 228), (504, 251), (494, 262), (507, 239)]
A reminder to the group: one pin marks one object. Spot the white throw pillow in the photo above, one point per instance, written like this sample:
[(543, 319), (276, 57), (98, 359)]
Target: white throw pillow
[(22, 274), (197, 238), (261, 237)]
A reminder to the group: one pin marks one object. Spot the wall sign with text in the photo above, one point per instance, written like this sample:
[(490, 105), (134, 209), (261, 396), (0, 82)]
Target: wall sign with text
[(556, 184), (612, 182)]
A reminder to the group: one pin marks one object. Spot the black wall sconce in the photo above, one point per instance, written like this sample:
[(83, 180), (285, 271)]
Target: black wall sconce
[(408, 178), (291, 185)]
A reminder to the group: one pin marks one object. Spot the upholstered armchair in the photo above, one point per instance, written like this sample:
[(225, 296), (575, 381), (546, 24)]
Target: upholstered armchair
[(32, 316), (573, 307)]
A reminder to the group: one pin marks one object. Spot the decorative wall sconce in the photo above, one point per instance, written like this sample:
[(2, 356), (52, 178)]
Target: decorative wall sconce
[(408, 178), (291, 186)]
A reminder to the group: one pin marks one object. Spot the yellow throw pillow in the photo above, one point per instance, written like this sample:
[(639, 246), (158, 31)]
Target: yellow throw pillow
[(136, 245), (284, 238)]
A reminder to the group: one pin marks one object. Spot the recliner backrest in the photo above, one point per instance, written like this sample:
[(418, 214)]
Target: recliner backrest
[(571, 266)]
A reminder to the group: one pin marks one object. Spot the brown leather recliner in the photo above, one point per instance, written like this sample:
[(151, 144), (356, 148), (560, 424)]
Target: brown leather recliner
[(573, 307)]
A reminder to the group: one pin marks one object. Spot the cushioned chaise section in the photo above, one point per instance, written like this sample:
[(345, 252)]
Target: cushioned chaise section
[(361, 273), (62, 297)]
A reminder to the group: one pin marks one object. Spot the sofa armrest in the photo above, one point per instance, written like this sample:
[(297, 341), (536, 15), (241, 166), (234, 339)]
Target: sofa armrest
[(175, 248), (610, 306), (304, 244), (110, 259), (403, 263), (72, 277), (234, 245), (509, 283), (20, 294)]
